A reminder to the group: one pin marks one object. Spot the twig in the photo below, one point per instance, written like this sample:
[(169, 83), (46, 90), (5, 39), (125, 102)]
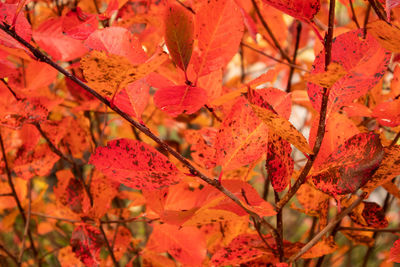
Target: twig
[(10, 255), (386, 230), (275, 59), (54, 217), (353, 14), (211, 110), (322, 116), (187, 7), (376, 9), (14, 193), (296, 47), (242, 69), (279, 226), (110, 250), (193, 170), (366, 18), (6, 195), (395, 140), (327, 228), (28, 220), (264, 23)]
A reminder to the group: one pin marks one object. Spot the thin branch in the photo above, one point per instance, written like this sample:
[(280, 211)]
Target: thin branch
[(10, 255), (141, 127), (275, 59), (110, 250), (376, 9), (296, 48), (386, 230), (322, 116), (279, 226), (28, 220), (327, 228), (274, 40), (353, 14), (54, 217), (14, 193), (187, 7), (211, 110), (395, 140), (366, 18)]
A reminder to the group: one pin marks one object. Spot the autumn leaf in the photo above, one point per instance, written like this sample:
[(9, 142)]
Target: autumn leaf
[(180, 99), (108, 74), (86, 242), (388, 113), (282, 128), (300, 9), (78, 24), (242, 137), (178, 242), (387, 35), (372, 216), (22, 26), (219, 29), (324, 247), (179, 34), (328, 78), (365, 62), (350, 166), (395, 252), (135, 164), (388, 169)]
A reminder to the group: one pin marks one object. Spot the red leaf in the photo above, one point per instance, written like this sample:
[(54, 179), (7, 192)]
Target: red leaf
[(279, 162), (22, 26), (180, 99), (179, 33), (50, 38), (395, 252), (118, 41), (373, 215), (219, 26), (242, 248), (78, 24), (242, 137), (86, 242), (388, 113), (186, 244), (135, 164), (300, 9), (350, 166), (365, 62)]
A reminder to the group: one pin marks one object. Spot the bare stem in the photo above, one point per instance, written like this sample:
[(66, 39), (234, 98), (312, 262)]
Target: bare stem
[(110, 250)]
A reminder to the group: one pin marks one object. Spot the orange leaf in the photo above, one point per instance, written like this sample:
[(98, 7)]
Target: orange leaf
[(387, 35), (282, 128)]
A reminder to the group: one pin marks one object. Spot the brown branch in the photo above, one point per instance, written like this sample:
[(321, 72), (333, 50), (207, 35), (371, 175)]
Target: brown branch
[(211, 110), (322, 116), (267, 28), (279, 226), (28, 220), (296, 48), (395, 140), (353, 14), (10, 255), (327, 228), (15, 196), (193, 170), (376, 9), (366, 18), (54, 217), (386, 230), (110, 250), (271, 57)]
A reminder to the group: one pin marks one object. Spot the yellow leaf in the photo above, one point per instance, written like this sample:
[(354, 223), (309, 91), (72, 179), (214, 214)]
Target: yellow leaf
[(328, 78), (388, 36), (283, 128), (107, 74)]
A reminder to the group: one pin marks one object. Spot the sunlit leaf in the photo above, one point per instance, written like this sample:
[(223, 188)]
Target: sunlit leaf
[(387, 35), (186, 244), (282, 128), (179, 34), (300, 9), (328, 78), (395, 252), (219, 26), (365, 62), (180, 99)]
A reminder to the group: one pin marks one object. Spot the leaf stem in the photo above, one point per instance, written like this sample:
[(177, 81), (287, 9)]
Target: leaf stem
[(110, 250), (353, 14)]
